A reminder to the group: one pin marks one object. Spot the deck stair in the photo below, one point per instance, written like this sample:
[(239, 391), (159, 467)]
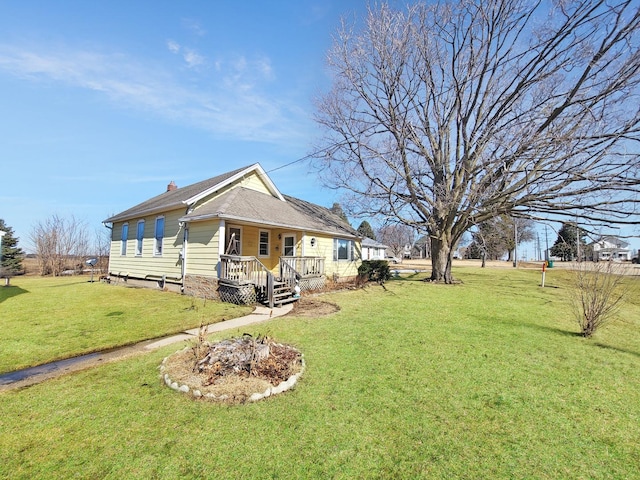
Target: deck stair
[(245, 279), (282, 294)]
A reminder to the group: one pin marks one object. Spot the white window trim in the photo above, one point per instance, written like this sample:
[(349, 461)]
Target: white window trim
[(351, 250), (235, 227), (295, 241), (268, 254), (157, 253), (124, 239), (139, 238)]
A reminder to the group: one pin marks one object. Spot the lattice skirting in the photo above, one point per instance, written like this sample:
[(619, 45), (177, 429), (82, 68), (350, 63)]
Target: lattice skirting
[(315, 283), (240, 295)]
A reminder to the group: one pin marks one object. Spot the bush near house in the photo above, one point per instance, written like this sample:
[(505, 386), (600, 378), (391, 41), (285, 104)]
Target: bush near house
[(374, 271)]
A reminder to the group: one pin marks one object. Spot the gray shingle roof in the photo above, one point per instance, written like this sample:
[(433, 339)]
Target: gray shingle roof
[(171, 200), (369, 242), (243, 204)]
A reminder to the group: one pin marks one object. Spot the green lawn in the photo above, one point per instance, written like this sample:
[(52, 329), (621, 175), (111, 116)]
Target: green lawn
[(45, 319), (487, 379)]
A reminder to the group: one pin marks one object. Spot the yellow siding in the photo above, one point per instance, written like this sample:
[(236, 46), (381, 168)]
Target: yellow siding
[(324, 248), (202, 248), (252, 182), (148, 265), (251, 245)]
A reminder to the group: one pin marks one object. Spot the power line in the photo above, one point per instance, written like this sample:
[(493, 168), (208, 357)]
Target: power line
[(310, 155)]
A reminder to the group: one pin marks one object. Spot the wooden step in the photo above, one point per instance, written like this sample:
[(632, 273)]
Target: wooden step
[(285, 301)]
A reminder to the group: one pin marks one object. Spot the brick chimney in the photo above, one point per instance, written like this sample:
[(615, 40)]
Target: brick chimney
[(172, 186)]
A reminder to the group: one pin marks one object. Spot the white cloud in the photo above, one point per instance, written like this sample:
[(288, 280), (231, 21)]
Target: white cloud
[(193, 58), (235, 106), (264, 65), (174, 47)]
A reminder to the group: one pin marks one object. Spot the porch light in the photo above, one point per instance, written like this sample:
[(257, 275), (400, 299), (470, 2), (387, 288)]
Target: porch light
[(313, 241)]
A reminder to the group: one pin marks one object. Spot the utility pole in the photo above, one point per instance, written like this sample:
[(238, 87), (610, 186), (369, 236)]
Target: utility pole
[(577, 240), (546, 237), (515, 248), (2, 234)]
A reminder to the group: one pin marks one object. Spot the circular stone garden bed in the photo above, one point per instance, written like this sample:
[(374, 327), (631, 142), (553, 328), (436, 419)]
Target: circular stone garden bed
[(235, 370)]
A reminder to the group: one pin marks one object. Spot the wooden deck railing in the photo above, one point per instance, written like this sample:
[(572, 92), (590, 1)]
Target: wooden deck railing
[(239, 270), (245, 270), (305, 266)]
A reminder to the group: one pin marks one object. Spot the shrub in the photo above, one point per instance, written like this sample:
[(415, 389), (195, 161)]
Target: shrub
[(599, 293), (375, 270)]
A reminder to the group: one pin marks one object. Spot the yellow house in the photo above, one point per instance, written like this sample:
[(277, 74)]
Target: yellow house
[(234, 236)]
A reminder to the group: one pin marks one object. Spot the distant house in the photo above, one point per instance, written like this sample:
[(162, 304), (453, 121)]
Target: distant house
[(372, 249), (611, 248), (234, 236)]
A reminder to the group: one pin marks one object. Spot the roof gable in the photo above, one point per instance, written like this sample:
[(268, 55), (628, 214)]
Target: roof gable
[(190, 194), (610, 241), (234, 177)]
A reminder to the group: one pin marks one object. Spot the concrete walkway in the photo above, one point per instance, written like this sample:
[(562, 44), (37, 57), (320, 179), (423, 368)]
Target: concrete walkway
[(33, 375)]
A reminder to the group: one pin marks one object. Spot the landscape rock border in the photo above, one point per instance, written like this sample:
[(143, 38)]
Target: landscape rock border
[(225, 398)]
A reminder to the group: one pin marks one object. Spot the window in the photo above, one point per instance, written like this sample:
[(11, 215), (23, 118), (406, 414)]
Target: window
[(342, 249), (157, 244), (263, 244), (139, 237), (289, 247), (123, 239), (234, 241)]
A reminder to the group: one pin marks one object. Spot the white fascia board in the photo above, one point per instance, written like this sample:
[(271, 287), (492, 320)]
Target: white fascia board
[(255, 167), (211, 216), (143, 213)]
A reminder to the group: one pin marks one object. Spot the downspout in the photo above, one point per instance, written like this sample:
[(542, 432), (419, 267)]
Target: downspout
[(110, 245), (222, 231), (183, 254)]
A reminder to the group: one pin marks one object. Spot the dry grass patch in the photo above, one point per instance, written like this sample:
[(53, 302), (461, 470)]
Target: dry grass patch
[(313, 307)]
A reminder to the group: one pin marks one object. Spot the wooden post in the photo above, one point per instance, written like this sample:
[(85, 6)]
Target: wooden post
[(270, 282)]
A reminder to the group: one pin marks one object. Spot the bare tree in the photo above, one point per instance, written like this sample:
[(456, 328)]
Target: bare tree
[(600, 290), (447, 114), (60, 243), (396, 237), (102, 248)]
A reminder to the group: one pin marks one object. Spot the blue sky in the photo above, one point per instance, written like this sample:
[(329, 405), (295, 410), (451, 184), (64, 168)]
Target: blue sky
[(104, 103)]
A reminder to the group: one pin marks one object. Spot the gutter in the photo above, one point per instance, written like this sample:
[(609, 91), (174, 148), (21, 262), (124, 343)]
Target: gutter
[(214, 216)]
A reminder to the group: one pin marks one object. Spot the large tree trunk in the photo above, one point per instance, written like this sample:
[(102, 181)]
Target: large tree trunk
[(441, 257)]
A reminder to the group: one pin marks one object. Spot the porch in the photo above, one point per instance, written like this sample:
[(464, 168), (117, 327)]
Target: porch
[(245, 279)]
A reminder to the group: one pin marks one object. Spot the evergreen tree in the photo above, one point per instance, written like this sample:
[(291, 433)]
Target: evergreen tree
[(566, 245), (11, 255), (336, 209), (366, 231)]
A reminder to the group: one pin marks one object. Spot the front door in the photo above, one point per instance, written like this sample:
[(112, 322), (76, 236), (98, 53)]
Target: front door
[(289, 246)]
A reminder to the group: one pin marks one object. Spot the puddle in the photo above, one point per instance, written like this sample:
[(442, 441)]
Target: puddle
[(19, 375)]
